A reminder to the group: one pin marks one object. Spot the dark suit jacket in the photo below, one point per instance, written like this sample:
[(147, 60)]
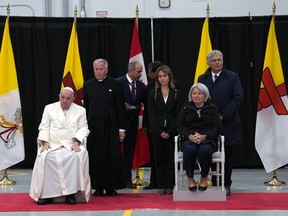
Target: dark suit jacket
[(159, 112), (140, 90), (227, 93), (149, 87)]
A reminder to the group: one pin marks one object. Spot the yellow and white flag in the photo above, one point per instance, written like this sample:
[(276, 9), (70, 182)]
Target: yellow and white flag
[(205, 47), (73, 76), (271, 140), (11, 128)]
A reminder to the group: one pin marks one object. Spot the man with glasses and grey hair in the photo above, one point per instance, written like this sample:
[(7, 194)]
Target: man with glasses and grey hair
[(226, 91)]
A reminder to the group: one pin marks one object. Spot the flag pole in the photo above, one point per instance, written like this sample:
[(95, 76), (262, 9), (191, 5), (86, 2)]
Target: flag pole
[(209, 182), (207, 11), (274, 181), (5, 179), (137, 180), (152, 39), (75, 13)]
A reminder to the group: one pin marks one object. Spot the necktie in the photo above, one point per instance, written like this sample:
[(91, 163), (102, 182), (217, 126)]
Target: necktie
[(215, 77), (133, 90)]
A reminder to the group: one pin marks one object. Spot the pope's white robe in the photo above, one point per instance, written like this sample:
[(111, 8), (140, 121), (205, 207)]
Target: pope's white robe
[(50, 167)]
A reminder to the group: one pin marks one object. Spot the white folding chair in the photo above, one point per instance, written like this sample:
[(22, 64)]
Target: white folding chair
[(178, 159), (218, 157)]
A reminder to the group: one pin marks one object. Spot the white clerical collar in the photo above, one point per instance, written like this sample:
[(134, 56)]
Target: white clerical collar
[(101, 80)]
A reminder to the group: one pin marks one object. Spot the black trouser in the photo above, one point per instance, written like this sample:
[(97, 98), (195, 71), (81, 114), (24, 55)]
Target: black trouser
[(203, 152), (164, 160), (228, 167), (153, 174)]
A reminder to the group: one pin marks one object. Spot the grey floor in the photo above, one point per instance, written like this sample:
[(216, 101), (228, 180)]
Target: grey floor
[(244, 180)]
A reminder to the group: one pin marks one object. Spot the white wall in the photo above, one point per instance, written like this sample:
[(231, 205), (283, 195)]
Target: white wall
[(147, 8)]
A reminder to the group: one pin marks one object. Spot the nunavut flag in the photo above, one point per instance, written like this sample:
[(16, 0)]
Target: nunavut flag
[(73, 76), (271, 140), (205, 47), (11, 127), (141, 154)]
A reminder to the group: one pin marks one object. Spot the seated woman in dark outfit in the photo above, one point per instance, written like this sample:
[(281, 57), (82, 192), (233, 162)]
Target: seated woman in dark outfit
[(199, 126)]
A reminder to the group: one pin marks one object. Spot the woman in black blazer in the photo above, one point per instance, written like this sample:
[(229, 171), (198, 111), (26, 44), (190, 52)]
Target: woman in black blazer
[(164, 104)]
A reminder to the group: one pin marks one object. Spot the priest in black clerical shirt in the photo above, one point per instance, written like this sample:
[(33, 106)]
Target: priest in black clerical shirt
[(105, 106)]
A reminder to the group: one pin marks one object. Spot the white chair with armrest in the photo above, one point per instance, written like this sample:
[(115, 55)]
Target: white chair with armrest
[(218, 158)]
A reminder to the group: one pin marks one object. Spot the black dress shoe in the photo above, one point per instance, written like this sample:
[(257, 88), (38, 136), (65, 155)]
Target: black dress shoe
[(150, 187), (202, 188), (162, 191), (98, 193), (111, 193), (70, 199), (45, 201), (228, 190), (193, 189), (169, 191), (130, 185)]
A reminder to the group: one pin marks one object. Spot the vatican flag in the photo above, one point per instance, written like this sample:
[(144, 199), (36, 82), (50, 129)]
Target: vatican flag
[(11, 129)]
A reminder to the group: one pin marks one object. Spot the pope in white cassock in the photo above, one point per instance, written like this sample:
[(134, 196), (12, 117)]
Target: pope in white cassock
[(62, 164)]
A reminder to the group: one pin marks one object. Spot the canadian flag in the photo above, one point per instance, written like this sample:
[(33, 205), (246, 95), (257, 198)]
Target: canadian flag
[(141, 154)]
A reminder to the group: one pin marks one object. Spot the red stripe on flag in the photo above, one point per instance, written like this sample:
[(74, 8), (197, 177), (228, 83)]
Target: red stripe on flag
[(264, 100), (68, 81), (271, 95)]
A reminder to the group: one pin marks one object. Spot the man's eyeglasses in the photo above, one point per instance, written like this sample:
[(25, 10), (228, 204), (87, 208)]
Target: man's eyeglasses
[(216, 60)]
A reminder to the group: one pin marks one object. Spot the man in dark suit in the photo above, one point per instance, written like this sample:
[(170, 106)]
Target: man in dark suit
[(133, 92), (152, 68), (106, 120), (226, 91)]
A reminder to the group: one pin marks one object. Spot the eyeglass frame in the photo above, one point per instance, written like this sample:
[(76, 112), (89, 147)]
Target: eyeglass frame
[(216, 60)]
